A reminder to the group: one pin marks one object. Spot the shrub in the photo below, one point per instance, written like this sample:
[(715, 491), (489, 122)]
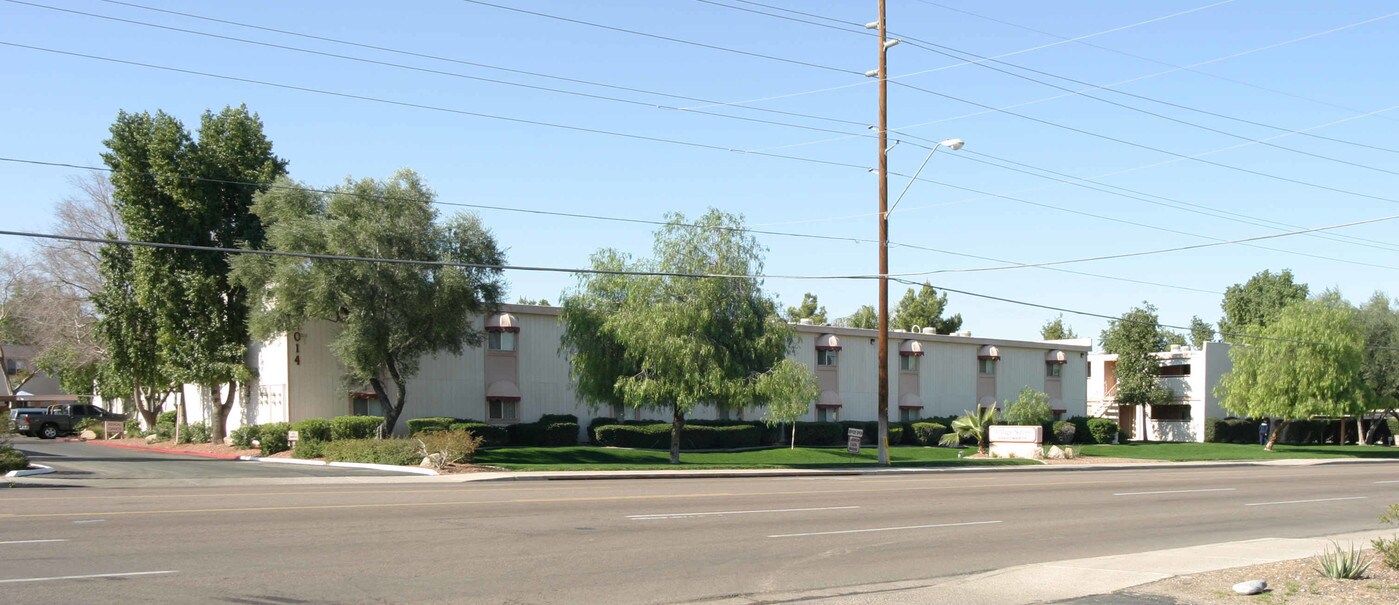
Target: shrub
[(908, 436), (1240, 430), (434, 423), (645, 436), (1103, 430), (355, 427), (493, 436), (243, 436), (272, 437), (442, 448), (12, 459), (597, 422), (1063, 432), (1389, 547), (820, 433), (1216, 430), (870, 428), (928, 433), (559, 434), (549, 419), (308, 448), (398, 452), (167, 417), (133, 427), (896, 434), (89, 424), (313, 429), (525, 434), (1340, 564), (1030, 408), (1393, 424), (196, 433), (1081, 432)]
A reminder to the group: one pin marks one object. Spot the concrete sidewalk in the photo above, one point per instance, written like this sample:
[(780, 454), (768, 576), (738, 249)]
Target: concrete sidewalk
[(1071, 579)]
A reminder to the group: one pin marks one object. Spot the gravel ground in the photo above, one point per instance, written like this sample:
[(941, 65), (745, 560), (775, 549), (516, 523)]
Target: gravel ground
[(1293, 582)]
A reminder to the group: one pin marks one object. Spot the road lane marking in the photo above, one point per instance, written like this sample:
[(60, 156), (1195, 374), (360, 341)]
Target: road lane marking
[(1395, 481), (731, 512), (90, 521), (30, 541), (1177, 491), (874, 529), (96, 575), (1307, 501)]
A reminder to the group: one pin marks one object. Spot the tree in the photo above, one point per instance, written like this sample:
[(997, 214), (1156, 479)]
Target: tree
[(18, 304), (864, 317), (1172, 337), (666, 342), (1201, 332), (1133, 338), (390, 314), (1056, 330), (807, 310), (788, 394), (973, 425), (924, 308), (1253, 305), (1308, 363), (200, 314), (1379, 373), (1030, 407), (135, 365), (530, 301)]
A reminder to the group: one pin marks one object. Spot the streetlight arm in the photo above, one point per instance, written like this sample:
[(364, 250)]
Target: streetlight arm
[(953, 144)]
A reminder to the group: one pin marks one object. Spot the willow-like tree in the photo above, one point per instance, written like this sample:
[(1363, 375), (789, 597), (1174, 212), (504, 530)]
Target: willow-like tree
[(1133, 338), (677, 342), (390, 315), (1308, 363)]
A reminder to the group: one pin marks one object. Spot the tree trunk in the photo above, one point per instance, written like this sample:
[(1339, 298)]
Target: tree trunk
[(218, 429), (180, 416), (1342, 439), (147, 415), (1146, 428), (1277, 430), (1374, 428), (794, 434), (677, 424), (394, 410)]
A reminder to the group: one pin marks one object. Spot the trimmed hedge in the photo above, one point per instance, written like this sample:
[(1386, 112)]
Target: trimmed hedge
[(548, 419), (272, 437), (313, 429), (434, 423), (400, 452), (820, 433), (645, 436), (12, 459), (928, 433), (243, 436), (309, 448), (1103, 430), (1063, 432), (354, 427), (599, 422), (1216, 430), (494, 436), (1082, 434), (692, 437)]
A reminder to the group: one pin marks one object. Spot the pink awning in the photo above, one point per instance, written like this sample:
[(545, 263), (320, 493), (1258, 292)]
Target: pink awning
[(502, 322), (911, 348), (503, 390), (827, 342), (988, 352), (910, 401), (1056, 356)]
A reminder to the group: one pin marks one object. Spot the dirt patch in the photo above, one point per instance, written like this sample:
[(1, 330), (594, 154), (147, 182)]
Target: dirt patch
[(218, 449), (1292, 582)]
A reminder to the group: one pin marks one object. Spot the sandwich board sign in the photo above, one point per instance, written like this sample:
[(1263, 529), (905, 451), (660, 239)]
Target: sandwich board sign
[(852, 440)]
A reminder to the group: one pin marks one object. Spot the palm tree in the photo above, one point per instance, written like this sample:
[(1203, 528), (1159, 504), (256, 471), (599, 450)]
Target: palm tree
[(971, 425)]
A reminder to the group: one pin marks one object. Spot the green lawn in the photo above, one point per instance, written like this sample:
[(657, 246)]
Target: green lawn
[(598, 458), (1187, 452)]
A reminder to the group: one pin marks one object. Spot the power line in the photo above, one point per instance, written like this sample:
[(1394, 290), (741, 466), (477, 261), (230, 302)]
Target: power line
[(626, 220), (666, 38)]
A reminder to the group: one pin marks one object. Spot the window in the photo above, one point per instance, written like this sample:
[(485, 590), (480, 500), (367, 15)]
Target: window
[(503, 410), (910, 414), (1170, 412), (500, 341), (618, 411), (1090, 370), (366, 407), (827, 414), (1175, 370), (1053, 370), (909, 363), (826, 357), (986, 366)]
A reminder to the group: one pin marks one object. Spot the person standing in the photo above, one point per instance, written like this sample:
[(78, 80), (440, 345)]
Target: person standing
[(1263, 432)]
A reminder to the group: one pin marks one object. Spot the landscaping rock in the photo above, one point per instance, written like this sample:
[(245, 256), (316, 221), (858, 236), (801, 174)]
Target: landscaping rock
[(152, 438), (1251, 587), (87, 434), (228, 441), (1056, 453)]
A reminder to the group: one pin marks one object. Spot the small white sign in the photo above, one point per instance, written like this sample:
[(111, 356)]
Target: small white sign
[(852, 440), (292, 437), (1003, 433)]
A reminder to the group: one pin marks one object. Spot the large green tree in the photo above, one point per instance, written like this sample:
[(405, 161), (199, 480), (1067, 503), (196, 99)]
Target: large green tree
[(1379, 322), (808, 309), (676, 343), (864, 317), (924, 308), (1254, 305), (171, 187), (1307, 362), (390, 315), (1057, 330), (1134, 337), (135, 368), (1201, 332)]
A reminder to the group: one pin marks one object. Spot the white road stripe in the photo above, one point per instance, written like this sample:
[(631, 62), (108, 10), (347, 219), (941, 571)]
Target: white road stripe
[(1177, 491), (731, 512), (857, 531), (1395, 481), (1306, 501), (96, 575), (30, 541)]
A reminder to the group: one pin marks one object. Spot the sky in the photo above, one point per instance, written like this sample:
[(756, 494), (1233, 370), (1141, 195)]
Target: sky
[(1213, 121)]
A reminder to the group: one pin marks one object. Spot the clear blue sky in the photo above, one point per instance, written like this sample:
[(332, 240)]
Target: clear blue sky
[(57, 108)]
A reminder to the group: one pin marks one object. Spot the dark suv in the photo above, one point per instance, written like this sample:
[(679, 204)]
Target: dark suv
[(61, 419)]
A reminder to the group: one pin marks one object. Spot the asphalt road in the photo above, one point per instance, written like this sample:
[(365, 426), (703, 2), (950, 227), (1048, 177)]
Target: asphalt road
[(639, 541), (84, 463)]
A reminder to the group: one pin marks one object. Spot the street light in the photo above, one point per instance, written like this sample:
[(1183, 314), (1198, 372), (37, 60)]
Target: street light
[(952, 144)]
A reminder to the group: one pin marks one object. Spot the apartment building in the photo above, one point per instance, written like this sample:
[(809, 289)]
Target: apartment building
[(1190, 374)]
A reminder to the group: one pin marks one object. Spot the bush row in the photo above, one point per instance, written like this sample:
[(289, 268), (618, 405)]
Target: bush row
[(400, 452), (551, 430), (1231, 430), (692, 436)]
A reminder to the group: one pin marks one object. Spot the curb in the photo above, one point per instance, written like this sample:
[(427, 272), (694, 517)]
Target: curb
[(34, 469), (365, 465), (161, 450)]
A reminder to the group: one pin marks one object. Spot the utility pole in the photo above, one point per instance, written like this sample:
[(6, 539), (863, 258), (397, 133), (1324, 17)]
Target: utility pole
[(883, 390)]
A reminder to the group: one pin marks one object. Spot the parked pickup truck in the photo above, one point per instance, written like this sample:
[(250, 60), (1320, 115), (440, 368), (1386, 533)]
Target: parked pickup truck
[(60, 420)]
